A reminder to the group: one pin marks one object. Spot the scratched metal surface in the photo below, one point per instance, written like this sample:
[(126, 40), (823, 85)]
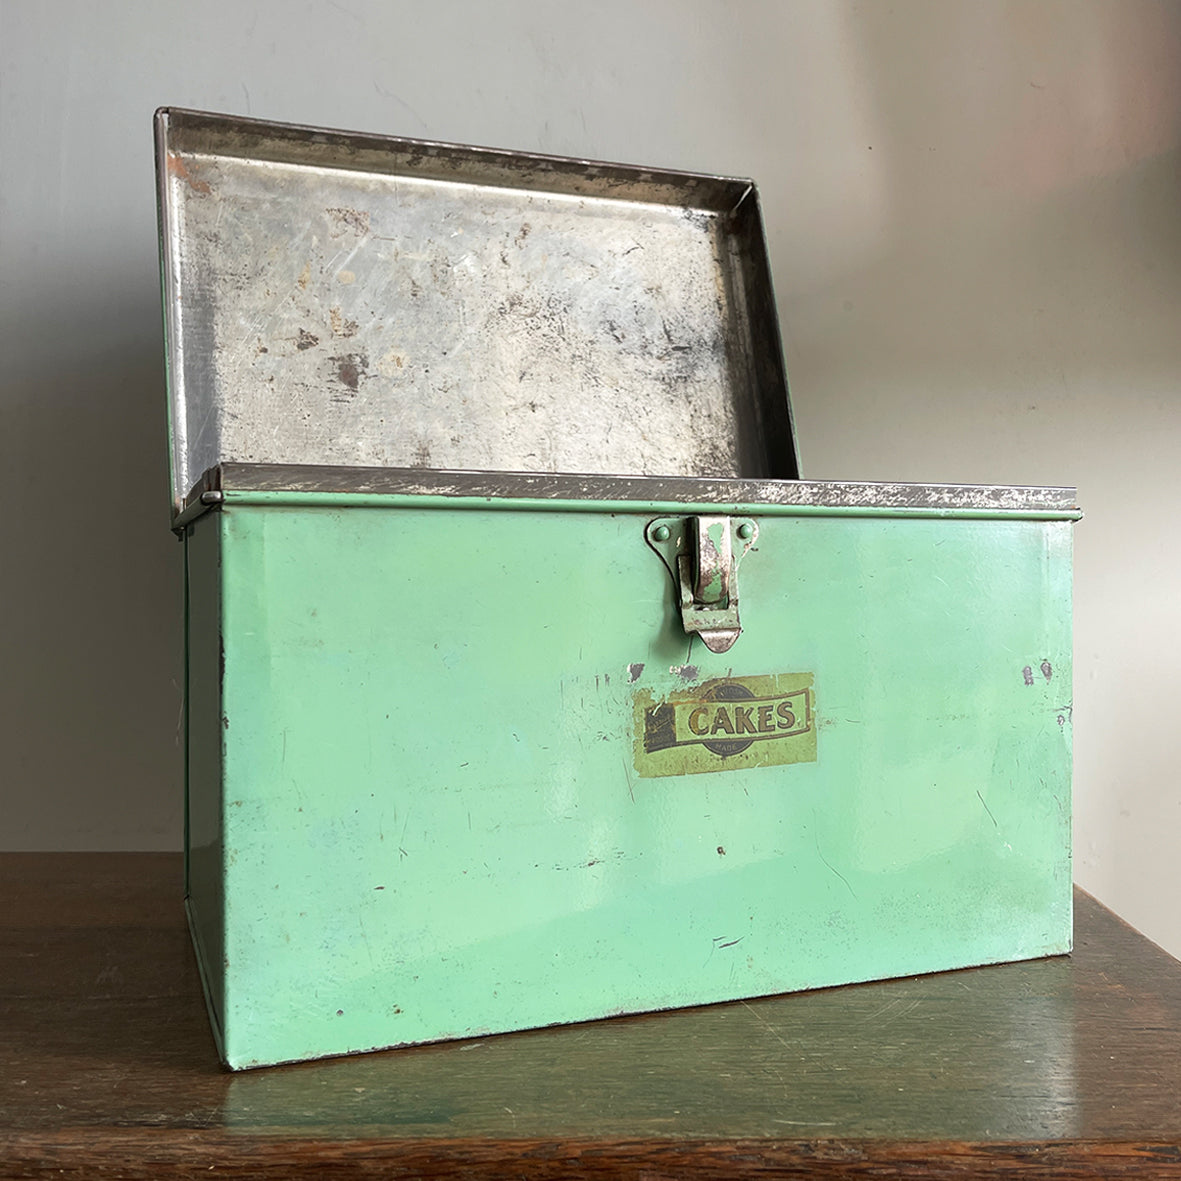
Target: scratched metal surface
[(358, 301), (934, 498)]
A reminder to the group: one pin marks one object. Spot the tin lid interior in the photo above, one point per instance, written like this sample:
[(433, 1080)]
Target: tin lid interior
[(358, 301)]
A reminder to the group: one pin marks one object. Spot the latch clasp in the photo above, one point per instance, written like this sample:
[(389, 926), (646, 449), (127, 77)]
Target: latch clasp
[(702, 555)]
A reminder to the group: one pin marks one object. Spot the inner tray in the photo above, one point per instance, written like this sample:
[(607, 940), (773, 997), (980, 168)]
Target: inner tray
[(355, 300)]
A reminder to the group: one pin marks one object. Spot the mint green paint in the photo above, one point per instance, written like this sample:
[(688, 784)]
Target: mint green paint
[(415, 801)]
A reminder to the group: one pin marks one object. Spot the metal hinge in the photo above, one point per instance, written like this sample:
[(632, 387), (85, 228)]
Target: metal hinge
[(195, 508), (702, 555)]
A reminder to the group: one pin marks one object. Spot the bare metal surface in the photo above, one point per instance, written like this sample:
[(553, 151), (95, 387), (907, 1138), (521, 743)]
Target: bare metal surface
[(537, 486), (358, 301), (713, 550)]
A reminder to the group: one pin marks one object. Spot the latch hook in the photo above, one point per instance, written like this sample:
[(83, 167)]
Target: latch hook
[(702, 555)]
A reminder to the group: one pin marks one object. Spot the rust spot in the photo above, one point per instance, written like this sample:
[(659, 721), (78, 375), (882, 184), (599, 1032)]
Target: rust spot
[(178, 168), (341, 326), (721, 851), (305, 276), (305, 340), (350, 369), (356, 220)]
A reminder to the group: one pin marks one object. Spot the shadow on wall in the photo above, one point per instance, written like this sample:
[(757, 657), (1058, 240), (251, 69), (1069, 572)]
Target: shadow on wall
[(975, 230), (89, 723)]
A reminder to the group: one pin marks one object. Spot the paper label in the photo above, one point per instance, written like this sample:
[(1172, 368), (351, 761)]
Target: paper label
[(727, 724)]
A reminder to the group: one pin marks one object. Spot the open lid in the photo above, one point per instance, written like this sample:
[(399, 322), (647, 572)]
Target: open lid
[(358, 301)]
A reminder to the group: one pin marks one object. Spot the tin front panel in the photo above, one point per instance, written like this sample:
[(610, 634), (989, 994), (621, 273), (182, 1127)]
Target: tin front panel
[(436, 816)]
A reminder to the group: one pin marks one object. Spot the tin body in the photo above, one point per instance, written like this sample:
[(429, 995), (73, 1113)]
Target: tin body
[(476, 744), (420, 806)]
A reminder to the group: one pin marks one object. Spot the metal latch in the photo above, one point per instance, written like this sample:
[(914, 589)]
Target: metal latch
[(702, 555)]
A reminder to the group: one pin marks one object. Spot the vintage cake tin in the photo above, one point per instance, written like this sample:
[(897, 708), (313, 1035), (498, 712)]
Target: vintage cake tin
[(526, 682)]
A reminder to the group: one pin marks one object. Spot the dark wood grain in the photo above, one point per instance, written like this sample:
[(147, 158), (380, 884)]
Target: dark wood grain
[(1066, 1067)]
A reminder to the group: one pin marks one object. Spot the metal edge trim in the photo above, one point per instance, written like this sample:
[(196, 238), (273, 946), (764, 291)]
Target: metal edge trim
[(170, 301), (180, 117), (234, 480), (773, 328), (338, 500)]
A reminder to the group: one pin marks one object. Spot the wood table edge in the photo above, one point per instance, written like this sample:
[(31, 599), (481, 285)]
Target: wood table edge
[(191, 1153)]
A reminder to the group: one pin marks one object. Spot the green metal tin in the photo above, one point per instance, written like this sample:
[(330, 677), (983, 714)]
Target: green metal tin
[(474, 743), (417, 803)]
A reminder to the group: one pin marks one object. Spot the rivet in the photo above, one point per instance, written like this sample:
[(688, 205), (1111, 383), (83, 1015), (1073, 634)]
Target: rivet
[(660, 533), (746, 531)]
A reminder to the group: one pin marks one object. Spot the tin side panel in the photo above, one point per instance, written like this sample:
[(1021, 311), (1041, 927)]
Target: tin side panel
[(438, 822), (382, 306), (205, 898)]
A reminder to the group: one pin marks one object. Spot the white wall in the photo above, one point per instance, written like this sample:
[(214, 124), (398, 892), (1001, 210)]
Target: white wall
[(975, 220)]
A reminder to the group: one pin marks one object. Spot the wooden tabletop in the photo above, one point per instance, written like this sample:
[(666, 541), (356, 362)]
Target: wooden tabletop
[(1066, 1067)]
